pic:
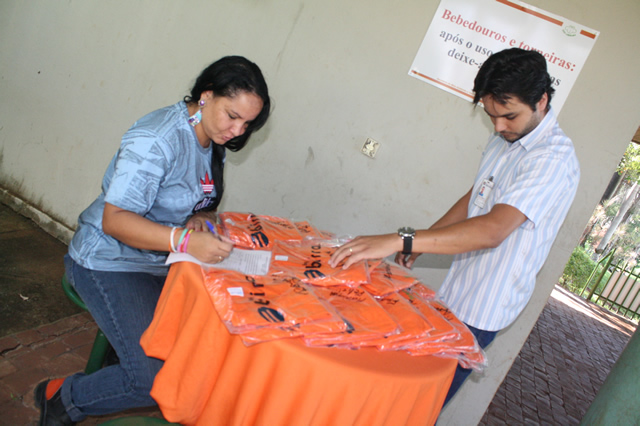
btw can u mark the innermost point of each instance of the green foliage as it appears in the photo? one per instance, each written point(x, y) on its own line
point(625, 238)
point(577, 270)
point(624, 241)
point(611, 209)
point(630, 163)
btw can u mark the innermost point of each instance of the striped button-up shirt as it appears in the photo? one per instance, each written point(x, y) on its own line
point(538, 175)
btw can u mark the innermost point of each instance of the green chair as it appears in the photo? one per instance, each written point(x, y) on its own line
point(136, 421)
point(101, 344)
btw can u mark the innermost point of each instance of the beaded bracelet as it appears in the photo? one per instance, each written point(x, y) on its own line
point(183, 248)
point(184, 232)
point(172, 246)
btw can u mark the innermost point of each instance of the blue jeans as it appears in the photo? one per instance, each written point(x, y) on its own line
point(122, 303)
point(483, 338)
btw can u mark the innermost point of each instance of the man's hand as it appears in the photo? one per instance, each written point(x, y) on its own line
point(366, 247)
point(406, 260)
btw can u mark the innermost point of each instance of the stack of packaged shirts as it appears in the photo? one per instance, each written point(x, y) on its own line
point(371, 304)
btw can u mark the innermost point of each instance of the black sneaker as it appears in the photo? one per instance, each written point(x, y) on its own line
point(52, 412)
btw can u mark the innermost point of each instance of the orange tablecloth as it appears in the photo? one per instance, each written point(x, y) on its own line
point(211, 378)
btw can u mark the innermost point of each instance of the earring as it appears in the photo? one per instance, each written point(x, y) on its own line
point(197, 117)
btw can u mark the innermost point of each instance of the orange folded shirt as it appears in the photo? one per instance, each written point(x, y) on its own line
point(423, 291)
point(246, 303)
point(307, 230)
point(309, 262)
point(389, 278)
point(411, 323)
point(364, 316)
point(442, 329)
point(465, 347)
point(466, 340)
point(335, 324)
point(251, 231)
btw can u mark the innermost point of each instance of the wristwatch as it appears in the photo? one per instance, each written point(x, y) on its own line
point(407, 234)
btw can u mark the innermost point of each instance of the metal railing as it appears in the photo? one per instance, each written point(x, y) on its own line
point(621, 290)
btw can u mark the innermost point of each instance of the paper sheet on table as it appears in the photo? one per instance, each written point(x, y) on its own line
point(249, 262)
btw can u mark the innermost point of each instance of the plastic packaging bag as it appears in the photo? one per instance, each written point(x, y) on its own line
point(388, 278)
point(259, 232)
point(309, 261)
point(246, 303)
point(465, 347)
point(441, 329)
point(365, 318)
point(411, 324)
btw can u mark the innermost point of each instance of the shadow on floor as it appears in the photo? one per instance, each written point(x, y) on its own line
point(42, 333)
point(30, 272)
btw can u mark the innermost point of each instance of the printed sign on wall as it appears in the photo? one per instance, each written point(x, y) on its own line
point(463, 33)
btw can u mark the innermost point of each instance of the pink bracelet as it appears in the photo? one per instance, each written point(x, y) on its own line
point(184, 232)
point(183, 247)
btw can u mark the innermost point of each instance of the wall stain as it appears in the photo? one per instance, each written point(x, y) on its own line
point(310, 157)
point(286, 41)
point(10, 195)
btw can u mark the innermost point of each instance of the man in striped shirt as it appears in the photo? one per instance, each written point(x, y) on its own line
point(500, 231)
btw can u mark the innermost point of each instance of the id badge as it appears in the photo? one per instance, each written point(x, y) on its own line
point(483, 194)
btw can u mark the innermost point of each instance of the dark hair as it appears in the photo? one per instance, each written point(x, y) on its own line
point(228, 77)
point(514, 72)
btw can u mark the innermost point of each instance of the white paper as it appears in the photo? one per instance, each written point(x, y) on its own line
point(236, 291)
point(250, 262)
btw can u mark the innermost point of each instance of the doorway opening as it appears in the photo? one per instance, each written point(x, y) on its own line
point(604, 268)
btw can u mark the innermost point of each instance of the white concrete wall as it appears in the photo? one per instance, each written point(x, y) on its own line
point(74, 75)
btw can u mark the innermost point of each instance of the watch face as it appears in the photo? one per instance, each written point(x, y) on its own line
point(406, 232)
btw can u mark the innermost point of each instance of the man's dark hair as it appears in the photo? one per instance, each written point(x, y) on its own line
point(514, 73)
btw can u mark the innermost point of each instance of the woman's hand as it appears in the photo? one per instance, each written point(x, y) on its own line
point(366, 247)
point(208, 247)
point(198, 222)
point(139, 232)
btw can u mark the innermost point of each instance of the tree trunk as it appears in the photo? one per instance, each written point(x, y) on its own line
point(624, 208)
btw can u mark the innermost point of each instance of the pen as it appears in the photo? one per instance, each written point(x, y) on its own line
point(211, 227)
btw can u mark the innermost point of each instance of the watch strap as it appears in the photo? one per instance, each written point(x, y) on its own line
point(407, 244)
